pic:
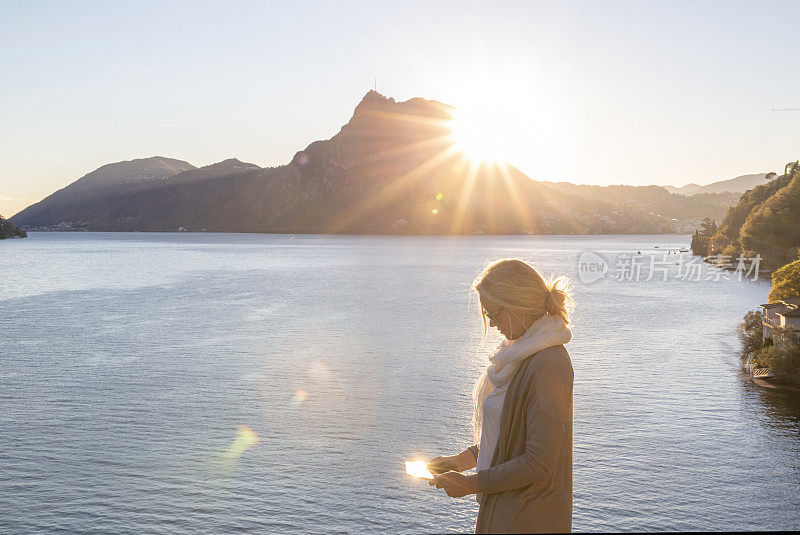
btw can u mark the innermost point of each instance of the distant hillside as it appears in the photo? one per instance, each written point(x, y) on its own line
point(650, 199)
point(7, 230)
point(391, 169)
point(740, 184)
point(85, 202)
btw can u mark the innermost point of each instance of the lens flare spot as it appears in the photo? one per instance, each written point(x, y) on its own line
point(298, 398)
point(439, 196)
point(418, 469)
point(435, 211)
point(245, 439)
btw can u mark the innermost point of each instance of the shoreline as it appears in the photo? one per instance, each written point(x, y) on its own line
point(766, 384)
point(321, 232)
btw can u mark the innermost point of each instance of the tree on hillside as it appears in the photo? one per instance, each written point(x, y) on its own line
point(709, 227)
point(751, 335)
point(717, 243)
point(701, 237)
point(697, 244)
point(785, 282)
point(773, 229)
point(770, 175)
point(781, 352)
point(737, 215)
point(783, 355)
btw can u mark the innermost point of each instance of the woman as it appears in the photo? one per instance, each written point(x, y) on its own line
point(523, 409)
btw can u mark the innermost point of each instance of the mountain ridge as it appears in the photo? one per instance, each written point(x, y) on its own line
point(83, 195)
point(392, 168)
point(738, 184)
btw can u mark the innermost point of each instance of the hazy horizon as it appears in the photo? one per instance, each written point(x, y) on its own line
point(589, 93)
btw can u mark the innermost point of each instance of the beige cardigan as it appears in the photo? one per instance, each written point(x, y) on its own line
point(528, 488)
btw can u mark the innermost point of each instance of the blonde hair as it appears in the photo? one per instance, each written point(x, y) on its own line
point(516, 285)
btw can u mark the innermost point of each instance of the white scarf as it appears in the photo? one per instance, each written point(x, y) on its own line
point(547, 331)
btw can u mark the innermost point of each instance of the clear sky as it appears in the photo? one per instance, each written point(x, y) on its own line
point(589, 92)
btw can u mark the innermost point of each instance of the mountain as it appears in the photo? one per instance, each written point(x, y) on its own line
point(740, 184)
point(87, 199)
point(7, 230)
point(392, 168)
point(650, 199)
point(688, 189)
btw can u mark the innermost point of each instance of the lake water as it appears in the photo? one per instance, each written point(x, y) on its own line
point(127, 362)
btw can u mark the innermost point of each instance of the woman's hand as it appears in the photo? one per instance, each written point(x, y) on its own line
point(456, 463)
point(456, 484)
point(444, 463)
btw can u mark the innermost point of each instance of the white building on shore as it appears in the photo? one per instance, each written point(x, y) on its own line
point(782, 314)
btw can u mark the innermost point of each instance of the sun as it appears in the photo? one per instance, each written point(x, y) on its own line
point(479, 135)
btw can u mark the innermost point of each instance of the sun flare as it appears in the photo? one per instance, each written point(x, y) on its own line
point(479, 136)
